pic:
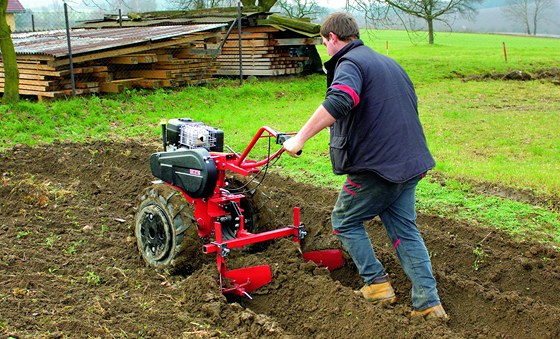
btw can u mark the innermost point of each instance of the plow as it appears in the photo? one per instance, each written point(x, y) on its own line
point(195, 207)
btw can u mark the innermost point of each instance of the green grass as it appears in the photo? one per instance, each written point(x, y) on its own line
point(463, 53)
point(494, 132)
point(460, 201)
point(500, 132)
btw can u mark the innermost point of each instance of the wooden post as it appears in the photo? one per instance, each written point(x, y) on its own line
point(69, 50)
point(239, 7)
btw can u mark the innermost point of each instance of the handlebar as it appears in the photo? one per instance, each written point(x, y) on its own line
point(239, 162)
point(280, 138)
point(283, 137)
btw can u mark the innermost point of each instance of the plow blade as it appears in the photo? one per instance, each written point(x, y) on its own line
point(331, 259)
point(245, 280)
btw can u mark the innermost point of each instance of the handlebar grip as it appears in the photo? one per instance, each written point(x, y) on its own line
point(282, 137)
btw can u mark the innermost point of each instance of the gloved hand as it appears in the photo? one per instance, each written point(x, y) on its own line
point(293, 146)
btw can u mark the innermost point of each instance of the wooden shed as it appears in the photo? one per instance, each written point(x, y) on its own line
point(271, 45)
point(110, 60)
point(161, 50)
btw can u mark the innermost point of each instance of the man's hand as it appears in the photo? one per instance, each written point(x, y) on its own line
point(293, 146)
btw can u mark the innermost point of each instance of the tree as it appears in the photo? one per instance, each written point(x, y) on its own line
point(11, 73)
point(519, 10)
point(427, 10)
point(115, 5)
point(300, 8)
point(529, 12)
point(265, 5)
point(201, 4)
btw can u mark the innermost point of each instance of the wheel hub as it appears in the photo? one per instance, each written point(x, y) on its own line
point(154, 232)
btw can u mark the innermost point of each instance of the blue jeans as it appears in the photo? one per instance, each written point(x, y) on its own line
point(366, 195)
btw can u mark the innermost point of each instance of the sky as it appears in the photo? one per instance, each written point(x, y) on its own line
point(35, 3)
point(28, 3)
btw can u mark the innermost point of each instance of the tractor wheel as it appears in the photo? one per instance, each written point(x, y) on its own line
point(166, 232)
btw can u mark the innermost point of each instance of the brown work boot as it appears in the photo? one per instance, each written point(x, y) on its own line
point(431, 313)
point(382, 292)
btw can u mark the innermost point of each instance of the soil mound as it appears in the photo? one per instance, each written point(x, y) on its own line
point(69, 266)
point(549, 74)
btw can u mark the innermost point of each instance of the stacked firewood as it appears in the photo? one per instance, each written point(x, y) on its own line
point(167, 63)
point(263, 52)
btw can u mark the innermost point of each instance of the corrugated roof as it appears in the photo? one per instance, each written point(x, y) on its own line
point(93, 40)
point(14, 6)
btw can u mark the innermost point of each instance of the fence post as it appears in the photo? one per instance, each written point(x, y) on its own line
point(69, 50)
point(239, 7)
point(120, 18)
point(32, 22)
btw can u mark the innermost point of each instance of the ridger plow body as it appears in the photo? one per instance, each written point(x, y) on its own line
point(194, 194)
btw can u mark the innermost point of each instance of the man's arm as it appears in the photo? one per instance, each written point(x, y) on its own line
point(341, 97)
point(319, 120)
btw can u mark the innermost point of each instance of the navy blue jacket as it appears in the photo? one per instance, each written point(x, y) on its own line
point(377, 126)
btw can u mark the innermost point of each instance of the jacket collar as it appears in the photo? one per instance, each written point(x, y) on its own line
point(331, 64)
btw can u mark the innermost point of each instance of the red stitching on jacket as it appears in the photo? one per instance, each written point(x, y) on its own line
point(348, 90)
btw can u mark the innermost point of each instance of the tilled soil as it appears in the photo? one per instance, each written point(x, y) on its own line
point(69, 265)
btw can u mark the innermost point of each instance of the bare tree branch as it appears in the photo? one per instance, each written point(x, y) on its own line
point(428, 10)
point(300, 8)
point(529, 13)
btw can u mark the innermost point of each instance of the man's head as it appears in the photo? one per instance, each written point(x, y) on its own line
point(338, 30)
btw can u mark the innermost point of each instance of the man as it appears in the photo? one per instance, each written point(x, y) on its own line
point(376, 139)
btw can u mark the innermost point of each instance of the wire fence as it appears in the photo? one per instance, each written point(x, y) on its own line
point(37, 21)
point(185, 64)
point(226, 52)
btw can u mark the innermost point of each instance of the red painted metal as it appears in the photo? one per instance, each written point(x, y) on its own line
point(244, 280)
point(208, 211)
point(249, 239)
point(331, 259)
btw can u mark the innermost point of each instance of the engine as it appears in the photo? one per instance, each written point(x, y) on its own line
point(185, 132)
point(186, 161)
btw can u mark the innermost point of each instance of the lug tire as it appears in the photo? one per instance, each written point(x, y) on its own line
point(166, 231)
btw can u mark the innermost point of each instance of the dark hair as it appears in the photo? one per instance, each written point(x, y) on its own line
point(342, 24)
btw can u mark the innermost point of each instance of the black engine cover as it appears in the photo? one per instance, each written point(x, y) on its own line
point(192, 170)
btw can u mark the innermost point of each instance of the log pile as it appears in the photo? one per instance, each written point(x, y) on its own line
point(274, 45)
point(271, 44)
point(173, 67)
point(264, 51)
point(110, 60)
point(167, 63)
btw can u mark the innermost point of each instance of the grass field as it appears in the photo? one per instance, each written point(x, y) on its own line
point(492, 132)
